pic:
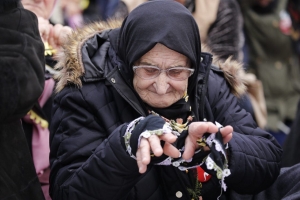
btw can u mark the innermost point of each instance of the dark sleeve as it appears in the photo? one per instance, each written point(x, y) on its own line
point(21, 65)
point(87, 153)
point(291, 144)
point(286, 187)
point(225, 37)
point(254, 155)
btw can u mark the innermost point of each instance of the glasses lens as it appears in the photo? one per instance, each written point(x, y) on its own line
point(179, 73)
point(147, 72)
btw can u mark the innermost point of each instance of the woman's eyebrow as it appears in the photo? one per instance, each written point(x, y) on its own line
point(146, 63)
point(151, 64)
point(179, 66)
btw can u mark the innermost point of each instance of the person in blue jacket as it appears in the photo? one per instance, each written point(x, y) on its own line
point(141, 113)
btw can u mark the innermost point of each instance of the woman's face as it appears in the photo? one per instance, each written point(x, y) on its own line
point(42, 8)
point(161, 92)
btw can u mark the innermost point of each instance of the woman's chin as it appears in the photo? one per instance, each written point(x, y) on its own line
point(160, 104)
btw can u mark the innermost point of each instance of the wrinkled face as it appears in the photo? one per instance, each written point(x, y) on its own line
point(161, 92)
point(42, 8)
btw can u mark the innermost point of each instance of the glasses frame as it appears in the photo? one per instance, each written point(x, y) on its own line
point(162, 70)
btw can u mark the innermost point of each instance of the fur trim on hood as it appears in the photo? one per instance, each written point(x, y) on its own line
point(233, 72)
point(70, 67)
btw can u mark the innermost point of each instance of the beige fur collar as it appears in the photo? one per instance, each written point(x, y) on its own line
point(70, 67)
point(233, 73)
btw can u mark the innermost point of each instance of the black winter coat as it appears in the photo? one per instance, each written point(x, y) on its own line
point(22, 81)
point(88, 159)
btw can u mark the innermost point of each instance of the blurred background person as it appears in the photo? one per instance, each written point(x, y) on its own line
point(76, 13)
point(221, 26)
point(273, 59)
point(37, 120)
point(22, 81)
point(291, 148)
point(291, 144)
point(221, 29)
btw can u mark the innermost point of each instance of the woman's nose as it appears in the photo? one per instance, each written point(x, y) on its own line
point(162, 83)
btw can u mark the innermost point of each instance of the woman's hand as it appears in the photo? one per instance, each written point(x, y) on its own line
point(152, 144)
point(197, 130)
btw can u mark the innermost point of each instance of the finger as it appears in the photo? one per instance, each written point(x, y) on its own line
point(227, 138)
point(226, 129)
point(44, 32)
point(171, 151)
point(56, 31)
point(60, 34)
point(226, 133)
point(168, 137)
point(189, 148)
point(143, 155)
point(155, 145)
point(53, 40)
point(197, 129)
point(142, 167)
point(44, 28)
point(50, 38)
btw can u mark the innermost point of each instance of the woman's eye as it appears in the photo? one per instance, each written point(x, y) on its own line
point(175, 71)
point(151, 70)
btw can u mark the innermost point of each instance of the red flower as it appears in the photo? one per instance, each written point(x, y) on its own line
point(202, 175)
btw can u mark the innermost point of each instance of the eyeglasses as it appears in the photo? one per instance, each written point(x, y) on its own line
point(174, 73)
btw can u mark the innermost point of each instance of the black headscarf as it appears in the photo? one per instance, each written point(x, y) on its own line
point(160, 21)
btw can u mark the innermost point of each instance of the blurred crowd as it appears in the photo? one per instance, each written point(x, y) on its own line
point(261, 35)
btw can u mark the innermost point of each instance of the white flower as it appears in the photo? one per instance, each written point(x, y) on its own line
point(226, 172)
point(209, 165)
point(218, 147)
point(146, 134)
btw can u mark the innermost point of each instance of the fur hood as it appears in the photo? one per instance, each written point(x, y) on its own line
point(70, 66)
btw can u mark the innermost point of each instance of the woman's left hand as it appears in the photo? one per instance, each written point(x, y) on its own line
point(197, 130)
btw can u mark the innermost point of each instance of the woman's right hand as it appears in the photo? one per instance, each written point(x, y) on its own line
point(147, 137)
point(153, 144)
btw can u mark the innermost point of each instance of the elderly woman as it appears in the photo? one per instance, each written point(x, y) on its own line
point(141, 114)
